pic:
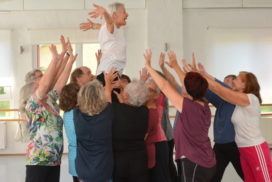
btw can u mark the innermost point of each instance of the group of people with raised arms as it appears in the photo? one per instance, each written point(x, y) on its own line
point(119, 130)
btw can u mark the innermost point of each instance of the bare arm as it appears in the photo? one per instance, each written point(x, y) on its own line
point(233, 97)
point(67, 70)
point(48, 76)
point(163, 84)
point(168, 75)
point(102, 12)
point(89, 25)
point(172, 63)
point(109, 77)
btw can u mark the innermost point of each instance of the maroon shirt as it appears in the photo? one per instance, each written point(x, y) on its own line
point(191, 134)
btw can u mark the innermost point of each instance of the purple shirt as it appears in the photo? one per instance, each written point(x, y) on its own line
point(191, 134)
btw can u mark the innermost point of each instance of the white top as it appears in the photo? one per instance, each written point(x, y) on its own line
point(246, 121)
point(113, 47)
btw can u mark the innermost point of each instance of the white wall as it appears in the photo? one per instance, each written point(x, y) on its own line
point(164, 19)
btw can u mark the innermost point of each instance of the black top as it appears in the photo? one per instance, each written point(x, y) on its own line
point(129, 127)
point(94, 160)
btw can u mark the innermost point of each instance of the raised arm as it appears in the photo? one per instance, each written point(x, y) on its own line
point(48, 76)
point(63, 60)
point(98, 56)
point(102, 12)
point(163, 84)
point(89, 25)
point(109, 77)
point(172, 63)
point(168, 75)
point(231, 96)
point(67, 70)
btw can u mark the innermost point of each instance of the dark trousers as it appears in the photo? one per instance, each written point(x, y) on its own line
point(161, 173)
point(75, 179)
point(226, 153)
point(130, 166)
point(172, 167)
point(42, 173)
point(189, 171)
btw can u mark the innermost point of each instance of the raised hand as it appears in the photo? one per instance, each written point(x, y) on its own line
point(98, 56)
point(70, 51)
point(201, 69)
point(54, 52)
point(98, 12)
point(110, 76)
point(161, 60)
point(147, 56)
point(185, 66)
point(64, 44)
point(87, 25)
point(144, 75)
point(172, 63)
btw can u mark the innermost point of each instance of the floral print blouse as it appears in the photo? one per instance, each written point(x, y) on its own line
point(45, 145)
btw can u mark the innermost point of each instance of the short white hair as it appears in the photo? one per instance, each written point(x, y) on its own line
point(136, 92)
point(114, 7)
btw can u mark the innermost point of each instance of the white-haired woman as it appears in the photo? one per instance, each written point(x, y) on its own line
point(130, 125)
point(39, 104)
point(111, 37)
point(93, 127)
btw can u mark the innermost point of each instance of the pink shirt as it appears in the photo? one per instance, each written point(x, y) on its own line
point(155, 131)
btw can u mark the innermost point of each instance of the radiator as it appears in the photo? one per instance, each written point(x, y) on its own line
point(3, 135)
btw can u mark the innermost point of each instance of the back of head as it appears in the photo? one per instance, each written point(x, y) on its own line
point(75, 74)
point(31, 76)
point(230, 76)
point(91, 98)
point(196, 85)
point(251, 84)
point(136, 92)
point(125, 77)
point(114, 7)
point(68, 97)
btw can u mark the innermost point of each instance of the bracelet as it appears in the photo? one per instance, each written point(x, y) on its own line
point(67, 54)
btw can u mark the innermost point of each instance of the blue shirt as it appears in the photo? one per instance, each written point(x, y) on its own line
point(223, 128)
point(69, 126)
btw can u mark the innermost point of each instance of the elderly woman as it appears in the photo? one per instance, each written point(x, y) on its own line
point(130, 125)
point(67, 102)
point(193, 147)
point(156, 141)
point(93, 126)
point(39, 105)
point(254, 150)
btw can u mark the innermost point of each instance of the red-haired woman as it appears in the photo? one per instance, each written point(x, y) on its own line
point(254, 150)
point(196, 159)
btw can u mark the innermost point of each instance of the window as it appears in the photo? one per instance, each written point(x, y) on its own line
point(86, 55)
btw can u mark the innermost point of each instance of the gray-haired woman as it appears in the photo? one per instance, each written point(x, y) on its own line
point(130, 125)
point(93, 126)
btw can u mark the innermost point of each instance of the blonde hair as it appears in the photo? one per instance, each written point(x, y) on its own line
point(25, 93)
point(114, 7)
point(31, 76)
point(91, 98)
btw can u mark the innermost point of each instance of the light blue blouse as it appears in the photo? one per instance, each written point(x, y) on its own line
point(69, 126)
